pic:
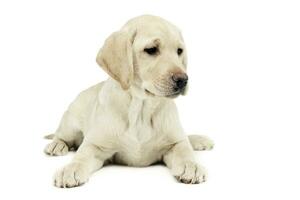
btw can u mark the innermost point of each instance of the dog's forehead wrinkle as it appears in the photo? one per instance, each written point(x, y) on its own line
point(162, 41)
point(156, 42)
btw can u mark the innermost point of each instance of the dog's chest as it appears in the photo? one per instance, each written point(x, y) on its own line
point(140, 143)
point(140, 119)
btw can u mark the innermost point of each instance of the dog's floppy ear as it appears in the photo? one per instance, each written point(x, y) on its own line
point(116, 57)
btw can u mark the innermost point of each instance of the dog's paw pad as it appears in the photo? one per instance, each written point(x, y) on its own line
point(57, 148)
point(72, 175)
point(190, 173)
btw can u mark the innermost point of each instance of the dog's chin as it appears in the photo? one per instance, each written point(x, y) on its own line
point(170, 95)
point(173, 96)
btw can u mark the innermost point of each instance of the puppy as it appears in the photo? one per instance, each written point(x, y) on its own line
point(131, 118)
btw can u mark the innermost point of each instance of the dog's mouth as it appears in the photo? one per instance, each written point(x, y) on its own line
point(149, 93)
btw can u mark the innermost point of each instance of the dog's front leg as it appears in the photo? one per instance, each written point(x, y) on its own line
point(181, 161)
point(87, 159)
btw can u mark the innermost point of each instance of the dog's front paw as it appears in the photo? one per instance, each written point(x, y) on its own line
point(190, 173)
point(201, 143)
point(57, 148)
point(71, 175)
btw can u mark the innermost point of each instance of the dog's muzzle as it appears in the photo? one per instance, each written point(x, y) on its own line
point(180, 81)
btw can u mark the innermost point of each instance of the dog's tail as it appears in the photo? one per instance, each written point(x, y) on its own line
point(49, 137)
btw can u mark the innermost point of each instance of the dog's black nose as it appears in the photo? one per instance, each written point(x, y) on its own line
point(180, 80)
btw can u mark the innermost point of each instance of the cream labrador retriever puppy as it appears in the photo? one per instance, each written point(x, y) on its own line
point(131, 118)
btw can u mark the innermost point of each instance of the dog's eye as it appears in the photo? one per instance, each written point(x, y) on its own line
point(179, 51)
point(151, 51)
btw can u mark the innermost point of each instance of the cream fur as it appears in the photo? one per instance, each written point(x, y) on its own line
point(130, 118)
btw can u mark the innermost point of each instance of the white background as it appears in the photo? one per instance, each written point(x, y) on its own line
point(244, 60)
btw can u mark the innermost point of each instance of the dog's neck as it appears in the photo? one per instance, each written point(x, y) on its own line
point(137, 92)
point(141, 98)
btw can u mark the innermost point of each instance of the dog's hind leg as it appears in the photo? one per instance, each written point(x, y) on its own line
point(67, 136)
point(200, 143)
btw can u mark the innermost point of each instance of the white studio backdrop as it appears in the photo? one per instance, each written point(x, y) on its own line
point(244, 69)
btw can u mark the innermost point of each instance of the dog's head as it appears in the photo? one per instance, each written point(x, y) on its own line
point(147, 53)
